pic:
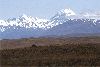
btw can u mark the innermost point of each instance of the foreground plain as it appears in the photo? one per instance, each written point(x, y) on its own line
point(51, 52)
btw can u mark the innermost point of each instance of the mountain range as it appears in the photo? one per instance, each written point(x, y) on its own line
point(64, 22)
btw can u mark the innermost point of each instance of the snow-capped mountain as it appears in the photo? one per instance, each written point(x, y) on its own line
point(63, 22)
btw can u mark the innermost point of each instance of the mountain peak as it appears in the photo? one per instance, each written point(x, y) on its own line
point(24, 16)
point(66, 21)
point(67, 12)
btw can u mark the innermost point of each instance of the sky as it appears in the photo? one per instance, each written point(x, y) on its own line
point(43, 8)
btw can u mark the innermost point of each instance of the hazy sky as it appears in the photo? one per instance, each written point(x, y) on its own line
point(43, 8)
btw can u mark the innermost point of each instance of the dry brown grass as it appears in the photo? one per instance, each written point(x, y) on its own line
point(27, 42)
point(54, 52)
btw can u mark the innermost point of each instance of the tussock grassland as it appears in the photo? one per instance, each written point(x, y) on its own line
point(54, 52)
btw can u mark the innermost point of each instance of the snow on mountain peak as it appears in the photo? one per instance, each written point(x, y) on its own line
point(24, 16)
point(67, 12)
point(61, 17)
point(91, 14)
point(25, 21)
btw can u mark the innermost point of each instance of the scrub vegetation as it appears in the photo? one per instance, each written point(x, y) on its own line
point(50, 52)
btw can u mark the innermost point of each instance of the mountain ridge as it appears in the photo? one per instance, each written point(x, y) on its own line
point(64, 22)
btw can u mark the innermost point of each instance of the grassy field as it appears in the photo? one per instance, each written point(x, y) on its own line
point(50, 52)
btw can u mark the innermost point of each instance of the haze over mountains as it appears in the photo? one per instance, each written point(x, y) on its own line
point(64, 22)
